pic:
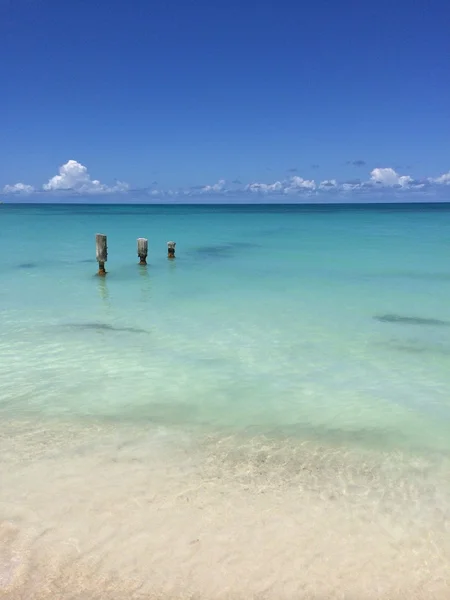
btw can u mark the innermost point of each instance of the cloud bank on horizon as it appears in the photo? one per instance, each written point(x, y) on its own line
point(74, 179)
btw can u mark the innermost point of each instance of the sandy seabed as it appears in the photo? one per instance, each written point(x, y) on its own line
point(95, 511)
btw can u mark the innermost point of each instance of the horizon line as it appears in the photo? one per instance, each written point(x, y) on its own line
point(235, 204)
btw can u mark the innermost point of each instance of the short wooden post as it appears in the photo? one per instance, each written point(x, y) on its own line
point(142, 250)
point(102, 253)
point(171, 249)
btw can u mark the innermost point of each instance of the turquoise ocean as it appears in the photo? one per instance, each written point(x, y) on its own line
point(292, 361)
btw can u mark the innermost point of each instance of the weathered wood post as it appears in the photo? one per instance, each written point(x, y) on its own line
point(142, 250)
point(102, 253)
point(171, 249)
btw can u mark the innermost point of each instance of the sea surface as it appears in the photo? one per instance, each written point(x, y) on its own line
point(265, 416)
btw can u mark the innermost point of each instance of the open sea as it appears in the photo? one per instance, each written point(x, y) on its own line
point(266, 416)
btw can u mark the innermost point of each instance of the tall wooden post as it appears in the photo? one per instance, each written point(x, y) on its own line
point(102, 253)
point(171, 249)
point(142, 250)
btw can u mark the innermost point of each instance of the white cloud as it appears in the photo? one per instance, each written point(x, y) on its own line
point(293, 185)
point(264, 188)
point(217, 187)
point(18, 188)
point(442, 179)
point(75, 177)
point(349, 187)
point(389, 177)
point(328, 184)
point(300, 183)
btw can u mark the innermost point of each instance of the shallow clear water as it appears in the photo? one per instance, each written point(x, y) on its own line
point(265, 320)
point(294, 325)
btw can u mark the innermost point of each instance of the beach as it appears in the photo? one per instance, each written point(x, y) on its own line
point(266, 416)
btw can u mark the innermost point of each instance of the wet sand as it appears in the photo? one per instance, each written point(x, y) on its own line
point(95, 511)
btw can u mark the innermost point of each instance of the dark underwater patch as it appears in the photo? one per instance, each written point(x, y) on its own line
point(421, 349)
point(415, 275)
point(27, 265)
point(219, 251)
point(416, 347)
point(407, 320)
point(105, 327)
point(222, 250)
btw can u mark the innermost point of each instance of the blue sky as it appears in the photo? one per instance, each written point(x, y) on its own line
point(167, 98)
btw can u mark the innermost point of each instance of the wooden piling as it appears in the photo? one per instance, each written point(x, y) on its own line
point(171, 249)
point(101, 252)
point(142, 250)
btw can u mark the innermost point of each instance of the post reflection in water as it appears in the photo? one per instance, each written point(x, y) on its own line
point(104, 291)
point(145, 283)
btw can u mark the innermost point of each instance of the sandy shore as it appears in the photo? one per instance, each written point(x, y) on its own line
point(100, 512)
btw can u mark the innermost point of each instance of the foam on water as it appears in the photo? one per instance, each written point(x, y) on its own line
point(265, 416)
